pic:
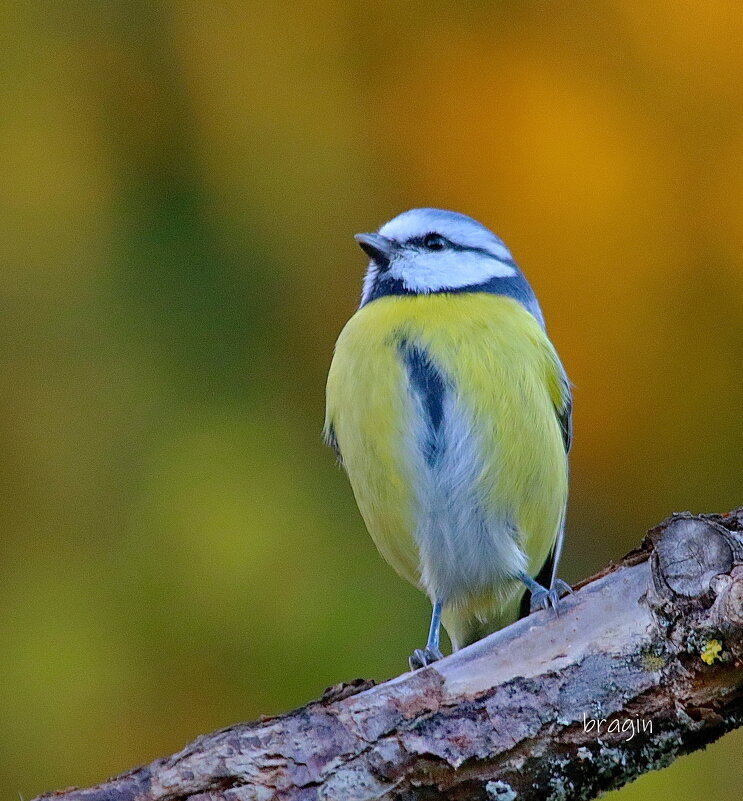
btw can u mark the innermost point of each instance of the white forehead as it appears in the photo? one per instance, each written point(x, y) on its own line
point(458, 228)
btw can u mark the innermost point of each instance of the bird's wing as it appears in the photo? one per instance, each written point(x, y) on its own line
point(563, 403)
point(564, 411)
point(331, 440)
point(565, 418)
point(367, 416)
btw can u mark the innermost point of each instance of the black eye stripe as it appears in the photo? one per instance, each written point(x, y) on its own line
point(419, 241)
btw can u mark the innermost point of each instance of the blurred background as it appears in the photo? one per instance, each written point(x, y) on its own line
point(180, 185)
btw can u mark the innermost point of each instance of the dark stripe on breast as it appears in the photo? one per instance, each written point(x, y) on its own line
point(427, 383)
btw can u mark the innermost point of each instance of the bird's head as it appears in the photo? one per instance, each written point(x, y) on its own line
point(425, 251)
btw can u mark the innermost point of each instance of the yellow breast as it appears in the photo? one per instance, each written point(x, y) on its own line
point(506, 378)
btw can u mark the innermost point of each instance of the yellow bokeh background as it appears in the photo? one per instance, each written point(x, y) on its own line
point(180, 185)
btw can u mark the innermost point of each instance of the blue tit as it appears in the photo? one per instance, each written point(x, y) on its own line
point(450, 411)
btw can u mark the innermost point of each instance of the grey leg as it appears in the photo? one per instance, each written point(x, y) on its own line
point(544, 598)
point(425, 656)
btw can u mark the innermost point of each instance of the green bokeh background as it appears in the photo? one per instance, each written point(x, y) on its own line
point(180, 183)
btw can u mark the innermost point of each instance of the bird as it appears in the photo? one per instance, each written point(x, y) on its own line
point(451, 413)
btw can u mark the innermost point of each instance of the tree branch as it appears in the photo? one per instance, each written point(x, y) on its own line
point(643, 664)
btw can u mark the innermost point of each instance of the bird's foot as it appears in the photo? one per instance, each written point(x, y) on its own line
point(422, 657)
point(543, 598)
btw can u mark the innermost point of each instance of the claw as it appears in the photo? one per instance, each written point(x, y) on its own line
point(562, 587)
point(543, 598)
point(423, 657)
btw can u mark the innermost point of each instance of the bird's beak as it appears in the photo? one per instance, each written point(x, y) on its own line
point(376, 246)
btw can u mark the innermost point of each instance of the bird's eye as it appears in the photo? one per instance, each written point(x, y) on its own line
point(434, 242)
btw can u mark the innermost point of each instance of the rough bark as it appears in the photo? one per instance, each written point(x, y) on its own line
point(653, 641)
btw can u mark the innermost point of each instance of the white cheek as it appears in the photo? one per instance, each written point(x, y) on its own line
point(429, 272)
